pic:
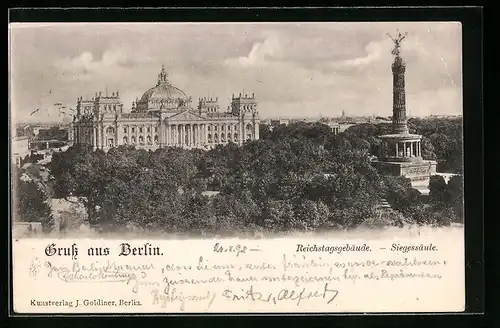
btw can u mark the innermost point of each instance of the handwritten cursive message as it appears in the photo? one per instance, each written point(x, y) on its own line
point(282, 275)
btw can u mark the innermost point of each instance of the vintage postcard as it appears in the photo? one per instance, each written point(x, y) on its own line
point(237, 167)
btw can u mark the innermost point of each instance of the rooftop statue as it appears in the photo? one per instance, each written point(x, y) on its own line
point(397, 42)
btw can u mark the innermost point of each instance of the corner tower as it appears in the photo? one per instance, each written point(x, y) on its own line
point(245, 108)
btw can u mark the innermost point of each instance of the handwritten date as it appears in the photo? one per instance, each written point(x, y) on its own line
point(238, 249)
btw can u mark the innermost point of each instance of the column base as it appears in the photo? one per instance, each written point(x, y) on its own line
point(413, 170)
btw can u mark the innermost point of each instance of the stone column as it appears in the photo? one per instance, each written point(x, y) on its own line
point(167, 135)
point(118, 135)
point(102, 134)
point(419, 149)
point(200, 134)
point(411, 149)
point(205, 132)
point(179, 135)
point(176, 134)
point(196, 134)
point(169, 131)
point(397, 150)
point(183, 134)
point(191, 134)
point(94, 137)
point(97, 136)
point(171, 134)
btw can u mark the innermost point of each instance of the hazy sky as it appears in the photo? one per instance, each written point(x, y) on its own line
point(294, 69)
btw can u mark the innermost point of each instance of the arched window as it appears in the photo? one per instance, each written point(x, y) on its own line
point(149, 129)
point(235, 136)
point(132, 140)
point(229, 137)
point(140, 129)
point(223, 128)
point(216, 138)
point(208, 128)
point(125, 140)
point(110, 130)
point(141, 140)
point(156, 129)
point(125, 129)
point(222, 139)
point(148, 138)
point(215, 128)
point(156, 140)
point(249, 127)
point(133, 129)
point(209, 137)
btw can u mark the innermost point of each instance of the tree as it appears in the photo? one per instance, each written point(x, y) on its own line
point(455, 196)
point(438, 189)
point(264, 131)
point(31, 204)
point(363, 131)
point(308, 215)
point(339, 143)
point(428, 152)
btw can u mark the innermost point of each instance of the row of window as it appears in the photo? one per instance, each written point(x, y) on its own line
point(111, 130)
point(229, 127)
point(141, 129)
point(140, 140)
point(133, 140)
point(247, 107)
point(109, 107)
point(223, 137)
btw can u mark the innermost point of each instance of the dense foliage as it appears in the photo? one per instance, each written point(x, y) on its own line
point(54, 133)
point(30, 202)
point(298, 177)
point(441, 139)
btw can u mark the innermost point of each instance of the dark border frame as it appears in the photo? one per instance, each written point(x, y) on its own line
point(472, 34)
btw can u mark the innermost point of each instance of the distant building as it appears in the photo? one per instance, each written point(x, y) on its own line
point(20, 149)
point(335, 127)
point(163, 117)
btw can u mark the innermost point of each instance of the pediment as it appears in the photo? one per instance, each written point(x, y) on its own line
point(185, 116)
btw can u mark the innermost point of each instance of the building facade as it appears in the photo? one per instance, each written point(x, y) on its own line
point(20, 149)
point(163, 117)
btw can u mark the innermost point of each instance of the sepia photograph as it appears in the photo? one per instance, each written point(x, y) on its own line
point(341, 133)
point(221, 129)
